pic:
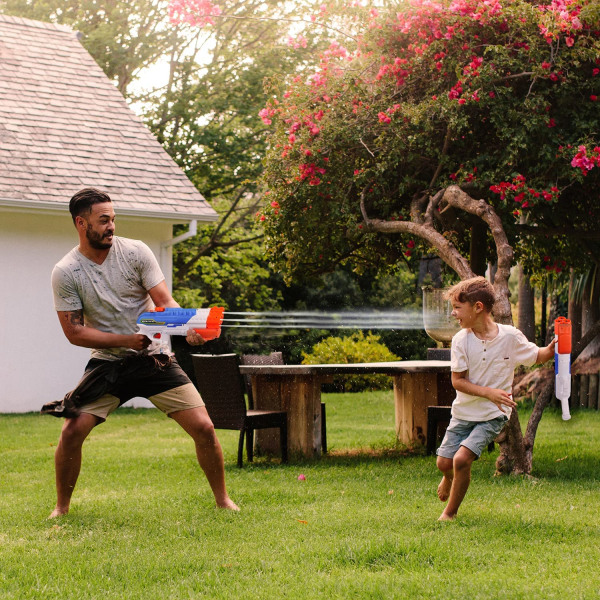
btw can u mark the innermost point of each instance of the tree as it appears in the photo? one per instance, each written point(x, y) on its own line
point(123, 36)
point(207, 119)
point(444, 115)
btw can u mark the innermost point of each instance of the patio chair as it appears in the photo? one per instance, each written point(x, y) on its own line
point(276, 358)
point(221, 386)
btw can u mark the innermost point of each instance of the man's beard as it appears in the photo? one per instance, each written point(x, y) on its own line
point(96, 240)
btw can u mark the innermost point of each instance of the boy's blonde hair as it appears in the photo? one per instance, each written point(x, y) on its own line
point(476, 289)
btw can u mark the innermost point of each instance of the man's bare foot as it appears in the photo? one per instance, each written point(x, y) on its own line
point(445, 517)
point(228, 504)
point(443, 490)
point(58, 512)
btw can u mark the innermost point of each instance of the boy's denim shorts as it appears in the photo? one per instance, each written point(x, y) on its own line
point(474, 435)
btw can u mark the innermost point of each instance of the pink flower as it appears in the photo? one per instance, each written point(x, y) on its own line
point(383, 118)
point(264, 114)
point(594, 98)
point(197, 13)
point(569, 41)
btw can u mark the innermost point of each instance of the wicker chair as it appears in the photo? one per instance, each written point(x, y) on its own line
point(276, 358)
point(221, 386)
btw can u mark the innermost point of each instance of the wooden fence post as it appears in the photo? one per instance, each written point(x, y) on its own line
point(584, 388)
point(593, 391)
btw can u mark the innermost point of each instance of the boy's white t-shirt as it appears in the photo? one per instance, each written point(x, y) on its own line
point(489, 363)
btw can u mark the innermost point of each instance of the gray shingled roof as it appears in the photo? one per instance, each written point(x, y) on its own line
point(65, 126)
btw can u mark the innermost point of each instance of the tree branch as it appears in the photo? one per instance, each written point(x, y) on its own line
point(456, 197)
point(444, 247)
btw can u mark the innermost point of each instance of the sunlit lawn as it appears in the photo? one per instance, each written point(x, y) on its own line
point(362, 525)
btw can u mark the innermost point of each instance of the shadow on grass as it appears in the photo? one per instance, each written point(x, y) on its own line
point(338, 457)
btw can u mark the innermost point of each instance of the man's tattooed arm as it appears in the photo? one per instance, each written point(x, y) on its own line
point(74, 317)
point(74, 328)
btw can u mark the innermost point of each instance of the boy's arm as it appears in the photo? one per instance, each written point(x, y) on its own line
point(498, 397)
point(546, 353)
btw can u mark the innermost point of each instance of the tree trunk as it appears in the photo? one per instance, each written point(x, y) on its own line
point(526, 315)
point(543, 325)
point(478, 248)
point(590, 313)
point(574, 311)
point(590, 309)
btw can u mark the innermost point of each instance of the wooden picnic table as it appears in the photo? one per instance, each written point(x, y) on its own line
point(297, 390)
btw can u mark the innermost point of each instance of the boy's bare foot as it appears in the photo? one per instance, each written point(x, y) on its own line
point(445, 517)
point(58, 512)
point(228, 504)
point(443, 490)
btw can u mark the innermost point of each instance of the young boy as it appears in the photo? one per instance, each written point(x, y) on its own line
point(483, 358)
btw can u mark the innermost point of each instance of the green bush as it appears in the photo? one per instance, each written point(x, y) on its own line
point(355, 348)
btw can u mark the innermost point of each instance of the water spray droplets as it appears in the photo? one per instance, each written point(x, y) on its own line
point(401, 320)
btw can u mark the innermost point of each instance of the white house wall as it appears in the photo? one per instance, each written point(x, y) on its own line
point(37, 363)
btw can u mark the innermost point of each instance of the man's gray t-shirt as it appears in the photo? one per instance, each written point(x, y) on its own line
point(113, 294)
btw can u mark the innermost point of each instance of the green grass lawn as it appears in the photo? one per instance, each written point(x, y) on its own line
point(362, 525)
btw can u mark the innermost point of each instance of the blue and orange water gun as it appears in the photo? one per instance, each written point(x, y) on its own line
point(161, 323)
point(562, 364)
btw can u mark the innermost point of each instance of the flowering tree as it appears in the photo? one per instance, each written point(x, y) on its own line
point(443, 115)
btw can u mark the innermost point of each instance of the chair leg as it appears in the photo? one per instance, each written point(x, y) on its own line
point(435, 415)
point(250, 444)
point(323, 429)
point(431, 432)
point(240, 461)
point(283, 436)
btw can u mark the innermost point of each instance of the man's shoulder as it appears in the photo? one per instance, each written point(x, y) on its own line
point(130, 245)
point(68, 261)
point(125, 242)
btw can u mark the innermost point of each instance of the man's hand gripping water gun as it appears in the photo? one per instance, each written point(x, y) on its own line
point(161, 323)
point(562, 364)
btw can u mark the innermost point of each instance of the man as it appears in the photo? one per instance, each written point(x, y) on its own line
point(100, 288)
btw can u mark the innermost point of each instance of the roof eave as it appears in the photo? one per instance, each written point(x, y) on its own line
point(175, 217)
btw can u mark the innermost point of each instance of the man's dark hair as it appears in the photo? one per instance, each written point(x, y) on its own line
point(81, 203)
